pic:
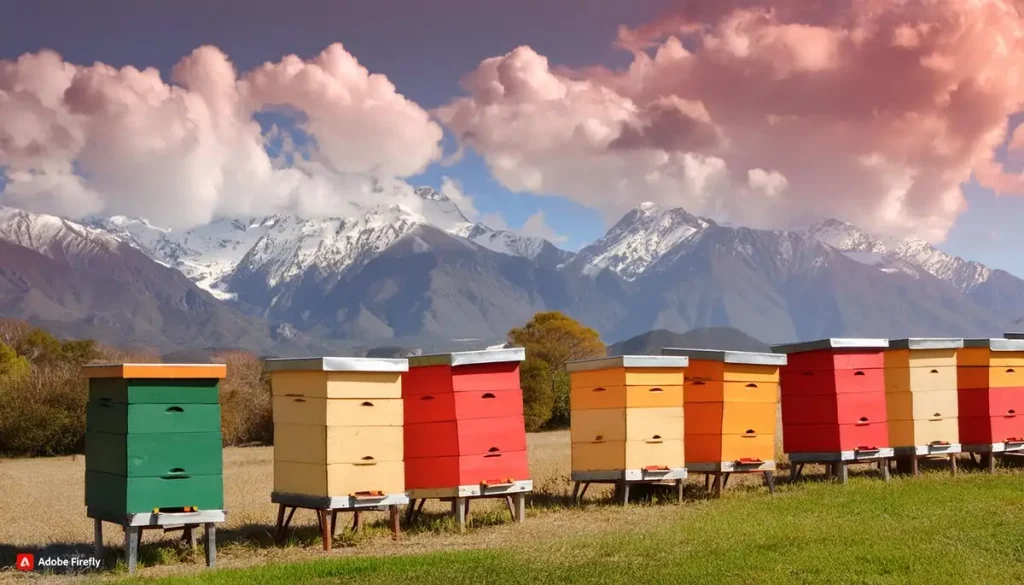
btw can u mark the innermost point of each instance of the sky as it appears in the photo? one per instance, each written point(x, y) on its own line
point(552, 118)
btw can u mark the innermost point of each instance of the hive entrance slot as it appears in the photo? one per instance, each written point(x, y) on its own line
point(487, 395)
point(366, 404)
point(859, 373)
point(175, 409)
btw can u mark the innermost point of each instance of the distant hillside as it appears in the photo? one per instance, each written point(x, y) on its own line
point(650, 343)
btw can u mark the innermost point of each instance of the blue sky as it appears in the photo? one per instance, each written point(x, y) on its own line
point(424, 48)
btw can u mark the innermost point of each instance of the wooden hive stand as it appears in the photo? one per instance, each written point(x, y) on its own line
point(465, 435)
point(338, 440)
point(627, 426)
point(153, 451)
point(922, 401)
point(834, 406)
point(730, 401)
point(990, 381)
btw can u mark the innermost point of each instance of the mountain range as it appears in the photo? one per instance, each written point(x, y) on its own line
point(394, 275)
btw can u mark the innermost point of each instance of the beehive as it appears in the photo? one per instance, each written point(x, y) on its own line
point(921, 392)
point(464, 420)
point(833, 396)
point(337, 426)
point(626, 413)
point(153, 439)
point(730, 401)
point(990, 380)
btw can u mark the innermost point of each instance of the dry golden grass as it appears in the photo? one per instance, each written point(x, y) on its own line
point(44, 508)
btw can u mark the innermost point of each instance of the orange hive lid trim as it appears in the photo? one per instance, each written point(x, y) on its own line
point(157, 371)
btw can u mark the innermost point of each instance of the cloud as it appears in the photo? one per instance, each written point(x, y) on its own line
point(768, 115)
point(452, 189)
point(80, 140)
point(537, 227)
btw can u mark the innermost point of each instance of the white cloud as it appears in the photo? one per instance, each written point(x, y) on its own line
point(536, 226)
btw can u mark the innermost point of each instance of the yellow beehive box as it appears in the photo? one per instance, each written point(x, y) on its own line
point(338, 425)
point(627, 413)
point(921, 391)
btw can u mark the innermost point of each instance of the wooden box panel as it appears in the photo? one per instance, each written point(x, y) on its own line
point(449, 472)
point(920, 379)
point(991, 429)
point(371, 412)
point(985, 358)
point(621, 455)
point(626, 377)
point(919, 433)
point(313, 384)
point(994, 377)
point(154, 454)
point(120, 495)
point(920, 358)
point(715, 371)
point(154, 391)
point(719, 391)
point(338, 479)
point(465, 437)
point(447, 406)
point(320, 444)
point(477, 377)
point(731, 418)
point(803, 382)
point(113, 417)
point(836, 360)
point(726, 448)
point(922, 405)
point(625, 397)
point(986, 402)
point(834, 409)
point(621, 424)
point(832, 438)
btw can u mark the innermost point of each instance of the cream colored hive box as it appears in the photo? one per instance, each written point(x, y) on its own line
point(921, 396)
point(626, 417)
point(338, 426)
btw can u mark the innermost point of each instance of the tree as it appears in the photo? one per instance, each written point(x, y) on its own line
point(553, 339)
point(12, 365)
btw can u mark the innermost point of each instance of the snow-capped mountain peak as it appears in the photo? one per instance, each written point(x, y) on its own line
point(50, 235)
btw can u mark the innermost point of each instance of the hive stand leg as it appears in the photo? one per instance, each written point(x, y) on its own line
point(189, 536)
point(883, 466)
point(575, 492)
point(410, 511)
point(211, 544)
point(679, 491)
point(725, 483)
point(325, 528)
point(719, 485)
point(952, 464)
point(334, 522)
point(796, 471)
point(511, 507)
point(624, 491)
point(707, 482)
point(396, 528)
point(990, 462)
point(583, 492)
point(279, 532)
point(131, 547)
point(97, 538)
point(841, 472)
point(520, 502)
point(914, 468)
point(357, 521)
point(459, 511)
point(770, 480)
point(467, 508)
point(419, 507)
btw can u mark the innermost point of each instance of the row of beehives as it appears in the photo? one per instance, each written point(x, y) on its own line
point(351, 426)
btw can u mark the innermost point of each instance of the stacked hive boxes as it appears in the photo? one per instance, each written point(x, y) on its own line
point(833, 397)
point(153, 439)
point(337, 426)
point(731, 403)
point(921, 394)
point(464, 420)
point(627, 416)
point(990, 376)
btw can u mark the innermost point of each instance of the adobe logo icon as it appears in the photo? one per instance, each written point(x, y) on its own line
point(25, 562)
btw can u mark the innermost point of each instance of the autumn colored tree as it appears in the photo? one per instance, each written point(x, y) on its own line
point(12, 365)
point(551, 340)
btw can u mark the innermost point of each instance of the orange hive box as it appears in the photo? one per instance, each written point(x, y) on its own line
point(730, 401)
point(626, 416)
point(990, 381)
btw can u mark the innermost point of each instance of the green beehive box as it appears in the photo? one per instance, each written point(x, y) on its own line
point(153, 439)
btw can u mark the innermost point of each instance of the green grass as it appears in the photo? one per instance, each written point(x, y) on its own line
point(929, 530)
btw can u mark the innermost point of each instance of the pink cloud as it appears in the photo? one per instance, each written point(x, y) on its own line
point(78, 139)
point(872, 111)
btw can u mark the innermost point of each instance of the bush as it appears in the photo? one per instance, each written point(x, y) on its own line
point(245, 403)
point(43, 412)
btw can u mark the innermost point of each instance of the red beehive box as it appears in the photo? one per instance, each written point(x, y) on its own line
point(990, 392)
point(833, 396)
point(464, 420)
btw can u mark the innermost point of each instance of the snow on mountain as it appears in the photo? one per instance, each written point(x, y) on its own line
point(907, 255)
point(52, 236)
point(640, 239)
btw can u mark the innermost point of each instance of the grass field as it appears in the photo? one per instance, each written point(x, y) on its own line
point(932, 529)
